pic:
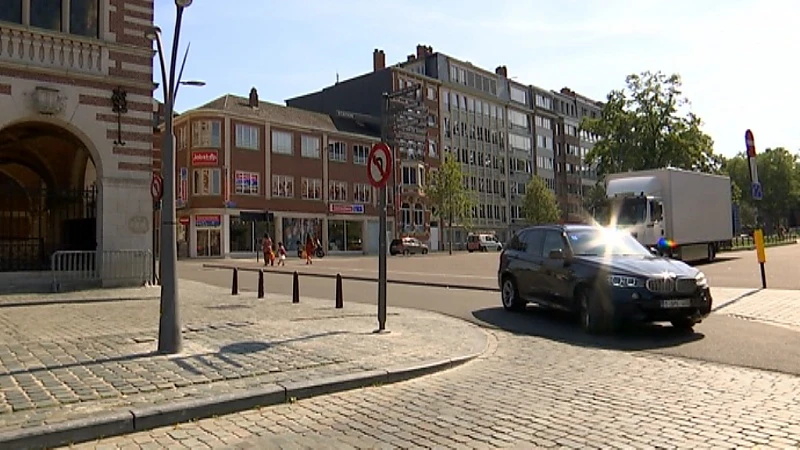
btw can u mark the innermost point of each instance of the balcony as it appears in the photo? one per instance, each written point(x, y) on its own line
point(50, 50)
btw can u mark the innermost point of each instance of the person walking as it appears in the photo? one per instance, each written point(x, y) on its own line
point(266, 247)
point(281, 254)
point(309, 249)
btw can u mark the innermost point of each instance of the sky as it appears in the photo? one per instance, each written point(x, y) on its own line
point(739, 59)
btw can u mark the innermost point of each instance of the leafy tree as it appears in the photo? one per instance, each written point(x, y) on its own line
point(539, 204)
point(447, 194)
point(595, 202)
point(642, 127)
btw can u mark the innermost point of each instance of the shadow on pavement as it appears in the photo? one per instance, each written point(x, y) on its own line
point(81, 301)
point(562, 327)
point(720, 259)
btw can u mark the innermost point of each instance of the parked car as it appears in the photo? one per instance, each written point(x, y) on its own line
point(407, 246)
point(483, 243)
point(604, 275)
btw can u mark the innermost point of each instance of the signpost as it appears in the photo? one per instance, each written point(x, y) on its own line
point(757, 193)
point(157, 192)
point(379, 170)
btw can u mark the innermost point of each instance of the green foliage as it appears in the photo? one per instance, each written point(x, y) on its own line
point(779, 175)
point(596, 203)
point(446, 192)
point(539, 204)
point(642, 127)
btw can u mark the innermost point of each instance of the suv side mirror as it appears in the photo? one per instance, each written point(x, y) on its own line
point(556, 254)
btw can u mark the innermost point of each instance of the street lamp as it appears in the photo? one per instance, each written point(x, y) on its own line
point(169, 327)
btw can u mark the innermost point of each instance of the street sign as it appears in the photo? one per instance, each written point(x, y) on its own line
point(756, 191)
point(157, 187)
point(379, 165)
point(750, 142)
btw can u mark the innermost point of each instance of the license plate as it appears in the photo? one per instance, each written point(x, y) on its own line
point(676, 303)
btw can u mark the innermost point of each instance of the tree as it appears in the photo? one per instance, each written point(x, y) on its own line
point(595, 202)
point(539, 204)
point(642, 127)
point(447, 194)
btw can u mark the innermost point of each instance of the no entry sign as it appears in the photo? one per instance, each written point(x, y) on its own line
point(379, 165)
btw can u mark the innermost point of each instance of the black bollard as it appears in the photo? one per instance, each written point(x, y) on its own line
point(235, 282)
point(339, 298)
point(296, 287)
point(260, 284)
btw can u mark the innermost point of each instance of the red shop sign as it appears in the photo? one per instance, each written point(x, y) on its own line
point(205, 158)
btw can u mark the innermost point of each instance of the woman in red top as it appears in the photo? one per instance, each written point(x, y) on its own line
point(310, 247)
point(266, 247)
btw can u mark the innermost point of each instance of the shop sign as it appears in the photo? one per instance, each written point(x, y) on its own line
point(205, 158)
point(338, 208)
point(208, 221)
point(184, 220)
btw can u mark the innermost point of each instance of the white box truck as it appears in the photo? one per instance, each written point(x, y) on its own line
point(683, 214)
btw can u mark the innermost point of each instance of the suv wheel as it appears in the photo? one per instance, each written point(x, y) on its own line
point(509, 294)
point(594, 319)
point(683, 323)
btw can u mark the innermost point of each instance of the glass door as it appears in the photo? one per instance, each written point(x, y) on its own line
point(209, 242)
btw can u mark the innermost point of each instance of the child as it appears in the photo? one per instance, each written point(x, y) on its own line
point(281, 254)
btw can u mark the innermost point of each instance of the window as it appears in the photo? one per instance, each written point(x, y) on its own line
point(207, 182)
point(405, 215)
point(410, 175)
point(553, 240)
point(519, 142)
point(519, 95)
point(419, 215)
point(543, 122)
point(84, 17)
point(544, 102)
point(309, 146)
point(282, 142)
point(362, 193)
point(518, 119)
point(311, 189)
point(206, 134)
point(11, 11)
point(337, 151)
point(183, 138)
point(246, 136)
point(360, 154)
point(247, 183)
point(46, 14)
point(282, 186)
point(337, 191)
point(431, 93)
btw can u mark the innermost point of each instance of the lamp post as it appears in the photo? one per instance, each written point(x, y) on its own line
point(169, 328)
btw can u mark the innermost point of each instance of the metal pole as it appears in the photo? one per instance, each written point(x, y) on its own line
point(382, 251)
point(169, 328)
point(155, 238)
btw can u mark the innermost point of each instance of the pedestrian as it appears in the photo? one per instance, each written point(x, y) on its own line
point(309, 249)
point(281, 254)
point(266, 248)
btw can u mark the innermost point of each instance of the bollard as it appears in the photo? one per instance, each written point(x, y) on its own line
point(296, 287)
point(260, 284)
point(339, 298)
point(235, 282)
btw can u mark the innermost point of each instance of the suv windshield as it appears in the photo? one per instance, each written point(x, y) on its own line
point(605, 242)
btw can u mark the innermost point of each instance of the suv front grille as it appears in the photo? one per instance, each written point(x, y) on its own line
point(669, 285)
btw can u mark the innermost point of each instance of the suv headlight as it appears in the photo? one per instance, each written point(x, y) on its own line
point(625, 281)
point(702, 282)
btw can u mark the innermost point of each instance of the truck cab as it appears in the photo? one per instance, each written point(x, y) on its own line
point(636, 207)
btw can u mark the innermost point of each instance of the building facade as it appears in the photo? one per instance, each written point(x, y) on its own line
point(416, 151)
point(246, 168)
point(76, 128)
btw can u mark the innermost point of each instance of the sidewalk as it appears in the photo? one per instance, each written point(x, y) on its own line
point(77, 366)
point(774, 306)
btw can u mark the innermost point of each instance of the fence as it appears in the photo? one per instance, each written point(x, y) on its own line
point(740, 242)
point(116, 268)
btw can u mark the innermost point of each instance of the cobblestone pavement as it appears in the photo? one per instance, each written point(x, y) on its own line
point(775, 306)
point(525, 392)
point(75, 355)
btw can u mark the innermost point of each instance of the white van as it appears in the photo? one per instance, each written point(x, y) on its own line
point(483, 243)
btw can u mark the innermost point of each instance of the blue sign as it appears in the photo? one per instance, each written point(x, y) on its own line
point(756, 192)
point(184, 173)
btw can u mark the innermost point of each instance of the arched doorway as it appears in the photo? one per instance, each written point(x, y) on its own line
point(48, 195)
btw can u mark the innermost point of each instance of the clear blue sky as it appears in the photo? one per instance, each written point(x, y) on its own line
point(738, 58)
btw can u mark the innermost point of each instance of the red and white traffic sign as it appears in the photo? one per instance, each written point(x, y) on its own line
point(750, 142)
point(379, 165)
point(157, 187)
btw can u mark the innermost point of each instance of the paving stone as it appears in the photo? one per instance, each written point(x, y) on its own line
point(530, 392)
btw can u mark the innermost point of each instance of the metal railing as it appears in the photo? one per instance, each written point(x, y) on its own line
point(744, 242)
point(105, 268)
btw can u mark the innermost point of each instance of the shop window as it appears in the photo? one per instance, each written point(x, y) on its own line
point(345, 235)
point(296, 230)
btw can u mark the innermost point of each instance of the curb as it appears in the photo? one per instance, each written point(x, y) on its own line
point(126, 421)
point(465, 287)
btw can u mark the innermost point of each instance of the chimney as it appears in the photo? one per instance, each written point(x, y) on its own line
point(253, 100)
point(502, 71)
point(411, 57)
point(378, 60)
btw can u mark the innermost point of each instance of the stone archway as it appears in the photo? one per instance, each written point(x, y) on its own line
point(47, 204)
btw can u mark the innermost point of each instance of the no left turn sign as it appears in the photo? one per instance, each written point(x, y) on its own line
point(379, 165)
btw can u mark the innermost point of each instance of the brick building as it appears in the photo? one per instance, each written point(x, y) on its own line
point(76, 128)
point(246, 167)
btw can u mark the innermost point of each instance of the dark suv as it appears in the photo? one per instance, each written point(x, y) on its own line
point(603, 274)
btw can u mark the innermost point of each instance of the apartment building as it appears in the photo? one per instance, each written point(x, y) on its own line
point(545, 122)
point(417, 151)
point(246, 167)
point(75, 129)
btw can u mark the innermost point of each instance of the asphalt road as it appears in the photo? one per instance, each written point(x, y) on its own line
point(719, 338)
